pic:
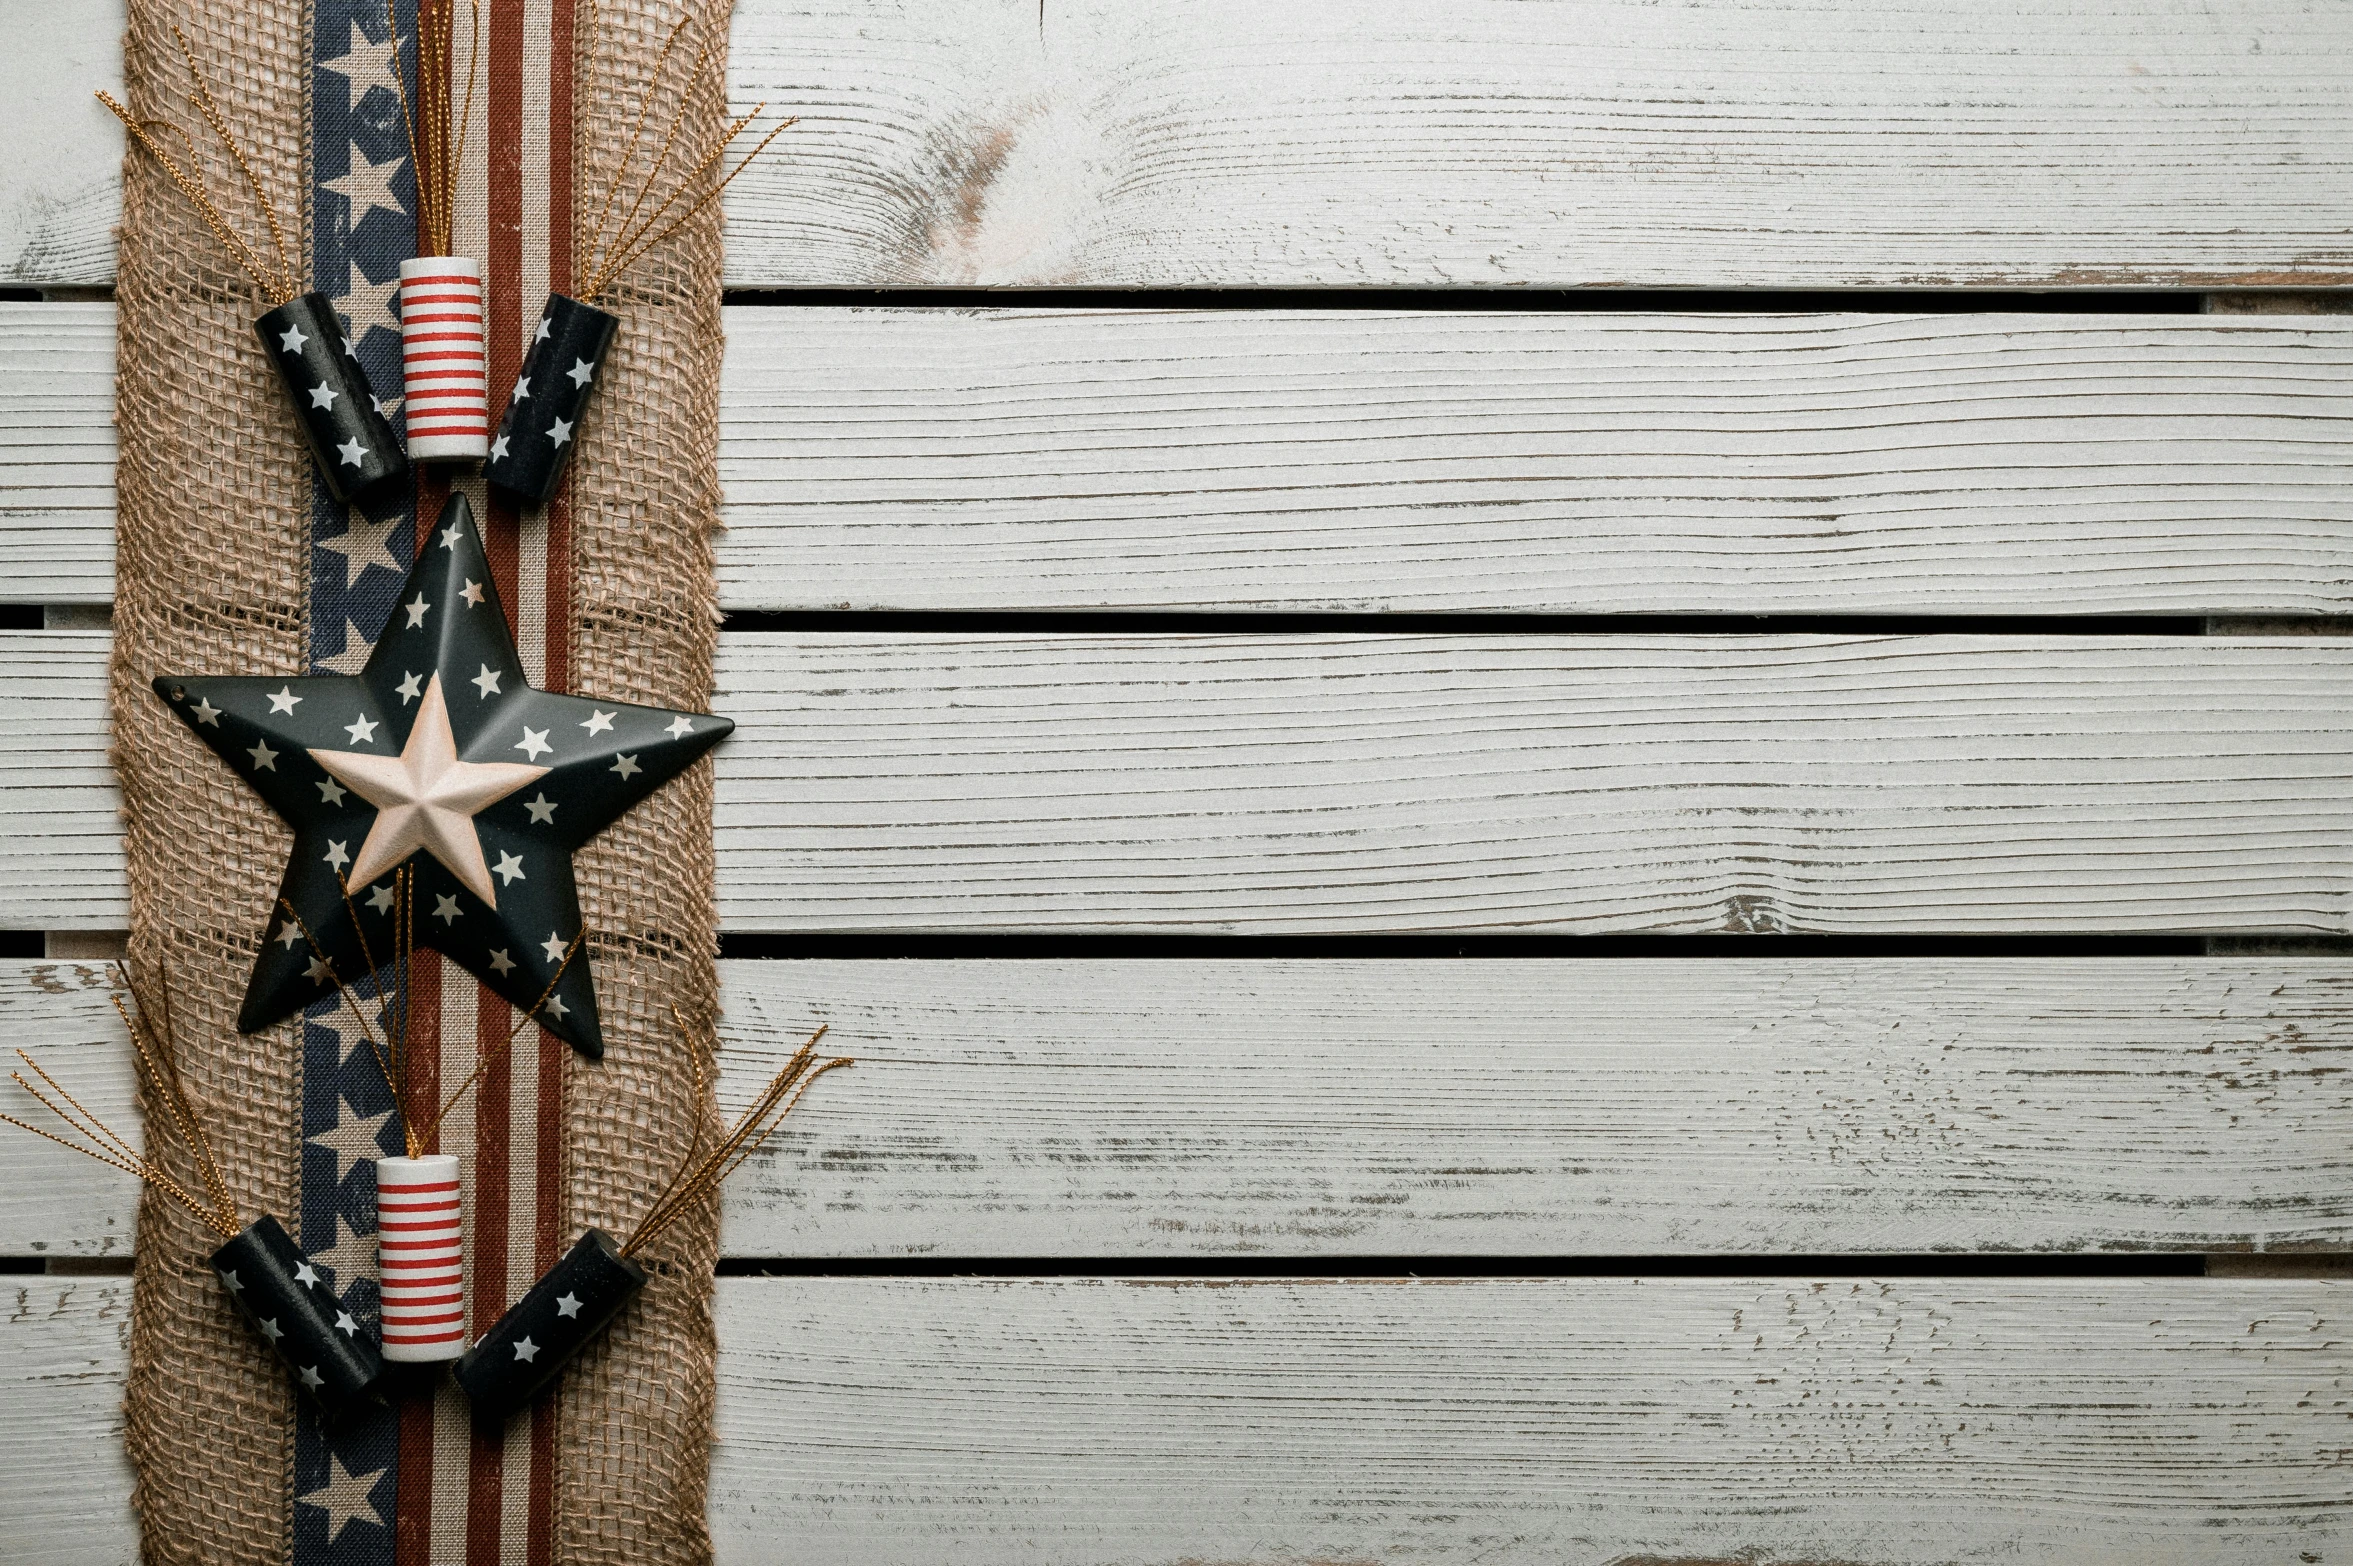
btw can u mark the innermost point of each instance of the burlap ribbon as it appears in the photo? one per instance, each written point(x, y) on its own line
point(214, 556)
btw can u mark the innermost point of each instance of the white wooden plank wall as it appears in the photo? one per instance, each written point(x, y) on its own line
point(1464, 784)
point(1310, 1109)
point(878, 1422)
point(1440, 461)
point(1612, 143)
point(1226, 1106)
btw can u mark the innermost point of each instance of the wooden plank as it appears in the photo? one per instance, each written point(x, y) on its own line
point(1274, 785)
point(1730, 143)
point(1757, 1106)
point(64, 1351)
point(61, 850)
point(1336, 783)
point(1440, 461)
point(57, 453)
point(1504, 462)
point(1581, 1420)
point(1078, 1421)
point(61, 185)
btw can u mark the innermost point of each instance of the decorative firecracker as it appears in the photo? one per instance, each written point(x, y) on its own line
point(540, 429)
point(340, 416)
point(289, 1298)
point(577, 1298)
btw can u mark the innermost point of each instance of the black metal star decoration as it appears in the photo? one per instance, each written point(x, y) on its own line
point(437, 754)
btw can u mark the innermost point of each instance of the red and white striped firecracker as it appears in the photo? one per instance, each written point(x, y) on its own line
point(444, 359)
point(420, 1258)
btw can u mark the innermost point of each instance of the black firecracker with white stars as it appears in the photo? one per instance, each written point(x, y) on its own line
point(572, 1302)
point(437, 755)
point(536, 436)
point(292, 1304)
point(341, 415)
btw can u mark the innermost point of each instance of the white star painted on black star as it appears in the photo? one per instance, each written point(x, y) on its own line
point(322, 396)
point(501, 963)
point(626, 767)
point(229, 1278)
point(540, 336)
point(486, 682)
point(555, 1007)
point(318, 972)
point(407, 690)
point(206, 712)
point(337, 856)
point(553, 946)
point(450, 537)
point(264, 758)
point(271, 1330)
point(472, 593)
point(679, 728)
point(445, 909)
point(345, 1325)
point(580, 372)
point(498, 449)
point(526, 1351)
point(598, 722)
point(353, 453)
point(311, 1377)
point(522, 388)
point(306, 1275)
point(568, 1305)
point(416, 612)
point(289, 935)
point(285, 700)
point(560, 431)
point(542, 808)
point(533, 743)
point(362, 730)
point(330, 792)
point(291, 340)
point(381, 898)
point(509, 868)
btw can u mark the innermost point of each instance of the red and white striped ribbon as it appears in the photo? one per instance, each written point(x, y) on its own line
point(420, 1258)
point(444, 362)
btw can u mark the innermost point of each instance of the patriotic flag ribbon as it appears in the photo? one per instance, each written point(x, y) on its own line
point(418, 1486)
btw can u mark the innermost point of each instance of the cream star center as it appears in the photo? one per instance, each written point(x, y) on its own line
point(426, 798)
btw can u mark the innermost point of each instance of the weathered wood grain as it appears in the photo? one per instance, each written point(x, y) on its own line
point(1466, 462)
point(61, 181)
point(57, 453)
point(1338, 783)
point(1500, 462)
point(61, 851)
point(1077, 1421)
point(64, 1350)
point(1286, 785)
point(1595, 143)
point(1731, 143)
point(1581, 1420)
point(1745, 1105)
